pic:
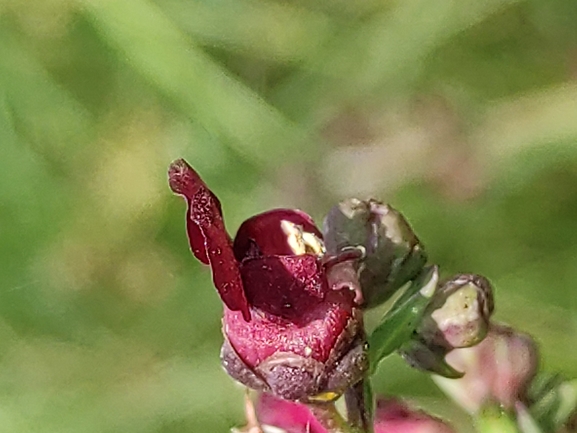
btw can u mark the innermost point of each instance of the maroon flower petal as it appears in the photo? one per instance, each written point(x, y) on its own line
point(207, 235)
point(263, 234)
point(313, 335)
point(285, 286)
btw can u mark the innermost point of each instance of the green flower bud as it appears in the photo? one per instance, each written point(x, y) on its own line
point(393, 254)
point(458, 316)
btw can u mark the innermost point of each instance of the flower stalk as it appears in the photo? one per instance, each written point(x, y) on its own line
point(359, 401)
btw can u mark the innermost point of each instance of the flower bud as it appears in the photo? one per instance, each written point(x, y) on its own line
point(497, 370)
point(291, 324)
point(393, 254)
point(458, 315)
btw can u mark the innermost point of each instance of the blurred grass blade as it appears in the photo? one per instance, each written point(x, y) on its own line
point(530, 120)
point(43, 112)
point(385, 53)
point(539, 126)
point(156, 49)
point(34, 204)
point(400, 322)
point(395, 44)
point(554, 400)
point(272, 31)
point(568, 401)
point(7, 131)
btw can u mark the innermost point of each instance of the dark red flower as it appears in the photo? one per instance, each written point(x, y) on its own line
point(290, 323)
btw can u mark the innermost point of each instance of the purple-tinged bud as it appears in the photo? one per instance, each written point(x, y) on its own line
point(391, 416)
point(497, 370)
point(393, 254)
point(458, 315)
point(291, 323)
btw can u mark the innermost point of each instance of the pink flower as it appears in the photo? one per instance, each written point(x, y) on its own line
point(391, 416)
point(498, 370)
point(395, 416)
point(290, 323)
point(289, 416)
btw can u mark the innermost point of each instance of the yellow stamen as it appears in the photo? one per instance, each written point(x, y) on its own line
point(324, 397)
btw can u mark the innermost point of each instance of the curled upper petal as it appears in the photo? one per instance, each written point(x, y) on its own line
point(278, 232)
point(207, 235)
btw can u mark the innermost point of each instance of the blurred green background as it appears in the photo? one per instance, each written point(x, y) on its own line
point(461, 113)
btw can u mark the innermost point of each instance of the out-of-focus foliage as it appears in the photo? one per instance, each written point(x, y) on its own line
point(462, 114)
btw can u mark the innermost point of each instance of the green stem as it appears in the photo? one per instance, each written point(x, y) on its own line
point(358, 399)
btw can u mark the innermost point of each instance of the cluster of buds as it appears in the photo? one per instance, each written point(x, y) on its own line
point(459, 310)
